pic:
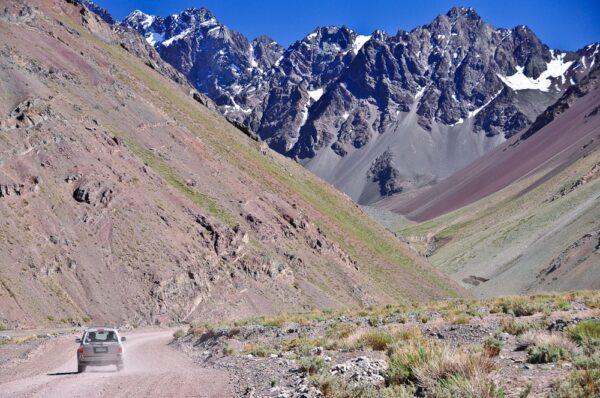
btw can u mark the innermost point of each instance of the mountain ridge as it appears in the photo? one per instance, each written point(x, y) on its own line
point(337, 101)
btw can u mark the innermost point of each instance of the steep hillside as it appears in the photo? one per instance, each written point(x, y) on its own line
point(528, 215)
point(125, 198)
point(527, 237)
point(374, 115)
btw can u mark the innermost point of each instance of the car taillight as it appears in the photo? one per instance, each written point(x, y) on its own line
point(120, 349)
point(80, 350)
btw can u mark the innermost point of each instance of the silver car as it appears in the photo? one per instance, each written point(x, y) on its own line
point(99, 347)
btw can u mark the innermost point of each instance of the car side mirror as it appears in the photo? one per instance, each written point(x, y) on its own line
point(123, 339)
point(78, 340)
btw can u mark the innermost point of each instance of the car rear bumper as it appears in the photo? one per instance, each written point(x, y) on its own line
point(101, 363)
point(95, 361)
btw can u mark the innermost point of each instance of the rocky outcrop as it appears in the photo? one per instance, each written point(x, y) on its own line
point(362, 371)
point(386, 175)
point(7, 190)
point(576, 253)
point(26, 14)
point(94, 192)
point(96, 9)
point(29, 113)
point(590, 176)
point(227, 242)
point(179, 296)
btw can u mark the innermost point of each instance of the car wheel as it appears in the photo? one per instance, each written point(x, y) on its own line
point(120, 367)
point(80, 368)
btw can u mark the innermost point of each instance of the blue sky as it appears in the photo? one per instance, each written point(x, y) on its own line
point(566, 25)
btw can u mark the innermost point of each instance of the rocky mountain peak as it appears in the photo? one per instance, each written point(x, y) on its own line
point(201, 14)
point(266, 51)
point(138, 20)
point(335, 93)
point(469, 13)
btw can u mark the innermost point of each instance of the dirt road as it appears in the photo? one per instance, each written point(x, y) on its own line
point(152, 369)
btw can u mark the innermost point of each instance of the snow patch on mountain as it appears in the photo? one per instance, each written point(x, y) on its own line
point(476, 111)
point(359, 42)
point(209, 22)
point(554, 69)
point(154, 38)
point(179, 36)
point(149, 19)
point(316, 94)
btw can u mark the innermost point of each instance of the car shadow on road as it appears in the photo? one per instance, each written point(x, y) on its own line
point(76, 373)
point(61, 373)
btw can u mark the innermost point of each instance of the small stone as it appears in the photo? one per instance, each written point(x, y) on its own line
point(317, 351)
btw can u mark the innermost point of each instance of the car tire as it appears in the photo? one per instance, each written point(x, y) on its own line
point(120, 367)
point(80, 368)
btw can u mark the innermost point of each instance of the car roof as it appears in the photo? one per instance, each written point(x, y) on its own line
point(101, 329)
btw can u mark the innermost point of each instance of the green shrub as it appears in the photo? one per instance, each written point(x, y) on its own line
point(579, 384)
point(276, 321)
point(517, 328)
point(525, 392)
point(227, 350)
point(524, 309)
point(258, 350)
point(198, 329)
point(587, 362)
point(546, 353)
point(492, 346)
point(460, 386)
point(300, 346)
point(586, 334)
point(517, 306)
point(335, 387)
point(312, 365)
point(441, 371)
point(404, 359)
point(340, 331)
point(179, 333)
point(459, 319)
point(589, 329)
point(376, 340)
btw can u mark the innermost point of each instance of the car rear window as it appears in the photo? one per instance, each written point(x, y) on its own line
point(101, 336)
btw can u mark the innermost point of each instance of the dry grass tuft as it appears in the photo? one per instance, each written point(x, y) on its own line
point(441, 370)
point(538, 338)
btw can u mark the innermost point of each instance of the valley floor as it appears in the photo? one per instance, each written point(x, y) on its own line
point(544, 345)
